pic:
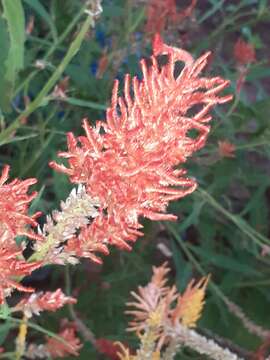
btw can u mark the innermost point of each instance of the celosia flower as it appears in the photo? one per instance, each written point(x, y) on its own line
point(14, 204)
point(159, 310)
point(12, 266)
point(226, 149)
point(154, 299)
point(244, 52)
point(37, 302)
point(129, 163)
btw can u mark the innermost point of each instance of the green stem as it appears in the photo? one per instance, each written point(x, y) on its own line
point(53, 48)
point(37, 102)
point(38, 328)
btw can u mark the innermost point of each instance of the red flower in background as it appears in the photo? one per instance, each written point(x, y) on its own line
point(244, 52)
point(226, 149)
point(130, 162)
point(70, 346)
point(161, 12)
point(108, 348)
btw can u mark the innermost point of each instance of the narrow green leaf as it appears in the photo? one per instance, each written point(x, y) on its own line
point(223, 261)
point(5, 45)
point(14, 16)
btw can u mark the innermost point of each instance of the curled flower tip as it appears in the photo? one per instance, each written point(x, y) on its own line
point(14, 205)
point(190, 304)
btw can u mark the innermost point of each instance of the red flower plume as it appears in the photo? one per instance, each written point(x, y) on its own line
point(14, 204)
point(130, 162)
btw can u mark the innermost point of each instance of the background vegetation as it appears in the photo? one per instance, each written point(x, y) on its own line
point(62, 70)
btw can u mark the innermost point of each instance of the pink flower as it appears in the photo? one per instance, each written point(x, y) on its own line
point(130, 163)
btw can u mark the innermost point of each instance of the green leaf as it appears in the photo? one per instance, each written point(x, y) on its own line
point(4, 311)
point(14, 16)
point(4, 330)
point(224, 262)
point(5, 45)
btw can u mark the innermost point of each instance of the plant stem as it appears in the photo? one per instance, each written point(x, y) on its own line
point(37, 102)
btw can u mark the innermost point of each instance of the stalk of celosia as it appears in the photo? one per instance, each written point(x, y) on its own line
point(129, 164)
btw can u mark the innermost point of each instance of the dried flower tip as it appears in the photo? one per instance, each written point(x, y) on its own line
point(190, 303)
point(37, 302)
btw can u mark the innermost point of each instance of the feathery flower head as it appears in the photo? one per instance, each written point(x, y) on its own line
point(157, 299)
point(14, 205)
point(129, 163)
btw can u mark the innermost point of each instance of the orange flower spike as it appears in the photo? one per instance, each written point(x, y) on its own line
point(244, 52)
point(129, 162)
point(14, 204)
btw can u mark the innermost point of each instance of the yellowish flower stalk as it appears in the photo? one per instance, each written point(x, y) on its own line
point(21, 339)
point(247, 323)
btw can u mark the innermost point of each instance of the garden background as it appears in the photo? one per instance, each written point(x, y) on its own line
point(60, 69)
